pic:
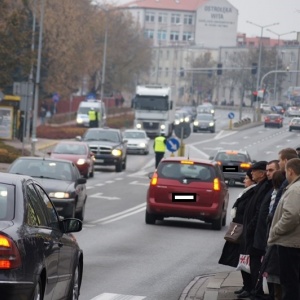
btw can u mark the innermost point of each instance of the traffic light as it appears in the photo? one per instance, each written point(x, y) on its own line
point(254, 69)
point(219, 70)
point(181, 72)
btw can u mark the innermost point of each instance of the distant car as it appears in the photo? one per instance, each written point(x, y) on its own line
point(182, 116)
point(108, 146)
point(204, 122)
point(39, 257)
point(294, 124)
point(293, 111)
point(187, 188)
point(61, 180)
point(77, 152)
point(274, 120)
point(265, 108)
point(278, 109)
point(191, 110)
point(206, 108)
point(137, 141)
point(234, 164)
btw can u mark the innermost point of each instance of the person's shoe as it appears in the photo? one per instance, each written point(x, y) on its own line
point(244, 295)
point(239, 291)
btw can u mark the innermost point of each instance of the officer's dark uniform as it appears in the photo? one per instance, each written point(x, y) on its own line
point(159, 147)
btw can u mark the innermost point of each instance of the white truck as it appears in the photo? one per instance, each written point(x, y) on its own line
point(154, 110)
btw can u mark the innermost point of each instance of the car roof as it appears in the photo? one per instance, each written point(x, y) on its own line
point(204, 115)
point(104, 129)
point(37, 158)
point(277, 115)
point(14, 179)
point(134, 130)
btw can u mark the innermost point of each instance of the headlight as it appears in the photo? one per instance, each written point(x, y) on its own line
point(177, 122)
point(212, 111)
point(211, 124)
point(79, 120)
point(116, 152)
point(186, 119)
point(162, 126)
point(142, 145)
point(60, 195)
point(80, 161)
point(138, 126)
point(196, 123)
point(181, 120)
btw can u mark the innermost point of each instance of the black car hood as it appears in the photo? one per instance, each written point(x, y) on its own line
point(54, 185)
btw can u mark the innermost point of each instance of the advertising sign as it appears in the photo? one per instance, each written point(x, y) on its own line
point(6, 122)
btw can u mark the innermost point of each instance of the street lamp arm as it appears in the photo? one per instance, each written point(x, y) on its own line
point(278, 71)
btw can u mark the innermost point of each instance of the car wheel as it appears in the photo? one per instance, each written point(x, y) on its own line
point(149, 218)
point(290, 129)
point(146, 152)
point(224, 219)
point(231, 182)
point(212, 131)
point(217, 224)
point(80, 214)
point(119, 166)
point(75, 285)
point(86, 175)
point(92, 172)
point(124, 163)
point(38, 291)
point(265, 126)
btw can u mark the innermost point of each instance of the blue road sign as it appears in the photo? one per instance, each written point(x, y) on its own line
point(231, 115)
point(172, 144)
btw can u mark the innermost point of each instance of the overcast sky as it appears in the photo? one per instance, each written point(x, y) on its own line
point(262, 13)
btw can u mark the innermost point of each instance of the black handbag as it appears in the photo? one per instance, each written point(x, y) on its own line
point(234, 232)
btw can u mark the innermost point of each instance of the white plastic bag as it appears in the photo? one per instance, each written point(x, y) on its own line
point(244, 263)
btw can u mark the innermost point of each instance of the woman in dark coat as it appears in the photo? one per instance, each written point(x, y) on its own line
point(231, 251)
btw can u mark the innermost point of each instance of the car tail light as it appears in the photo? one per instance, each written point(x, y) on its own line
point(9, 254)
point(154, 179)
point(216, 184)
point(245, 165)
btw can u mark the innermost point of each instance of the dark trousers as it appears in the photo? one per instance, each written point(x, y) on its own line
point(247, 282)
point(255, 266)
point(158, 157)
point(289, 262)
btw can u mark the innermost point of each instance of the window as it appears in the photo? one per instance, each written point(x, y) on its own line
point(149, 34)
point(150, 17)
point(7, 202)
point(174, 36)
point(187, 36)
point(166, 72)
point(162, 18)
point(162, 35)
point(188, 19)
point(175, 18)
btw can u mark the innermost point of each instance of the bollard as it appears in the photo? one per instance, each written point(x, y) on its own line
point(230, 124)
point(181, 149)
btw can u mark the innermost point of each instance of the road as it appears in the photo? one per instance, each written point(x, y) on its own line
point(126, 259)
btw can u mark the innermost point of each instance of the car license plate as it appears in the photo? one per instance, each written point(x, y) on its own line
point(179, 197)
point(100, 161)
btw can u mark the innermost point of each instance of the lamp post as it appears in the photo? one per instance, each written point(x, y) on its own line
point(104, 57)
point(276, 64)
point(258, 114)
point(37, 81)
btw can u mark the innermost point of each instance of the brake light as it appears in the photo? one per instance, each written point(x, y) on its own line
point(9, 254)
point(231, 152)
point(245, 165)
point(154, 179)
point(216, 184)
point(187, 162)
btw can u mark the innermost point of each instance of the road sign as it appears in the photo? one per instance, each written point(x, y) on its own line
point(182, 130)
point(172, 144)
point(231, 115)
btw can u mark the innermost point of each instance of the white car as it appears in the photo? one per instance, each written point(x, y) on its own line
point(265, 108)
point(293, 111)
point(137, 141)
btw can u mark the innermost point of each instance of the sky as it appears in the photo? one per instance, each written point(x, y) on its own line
point(262, 13)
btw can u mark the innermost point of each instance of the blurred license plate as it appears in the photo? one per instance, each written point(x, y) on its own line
point(183, 197)
point(100, 160)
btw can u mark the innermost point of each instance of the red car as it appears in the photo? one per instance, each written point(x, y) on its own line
point(274, 120)
point(187, 188)
point(77, 152)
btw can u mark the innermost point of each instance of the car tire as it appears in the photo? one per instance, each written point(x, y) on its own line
point(86, 175)
point(38, 293)
point(75, 285)
point(290, 129)
point(217, 223)
point(119, 166)
point(224, 219)
point(149, 218)
point(92, 172)
point(124, 163)
point(212, 131)
point(146, 152)
point(265, 126)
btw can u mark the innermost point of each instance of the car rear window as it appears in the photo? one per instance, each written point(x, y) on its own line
point(231, 157)
point(6, 202)
point(177, 170)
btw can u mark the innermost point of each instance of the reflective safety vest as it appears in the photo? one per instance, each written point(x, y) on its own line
point(92, 115)
point(159, 145)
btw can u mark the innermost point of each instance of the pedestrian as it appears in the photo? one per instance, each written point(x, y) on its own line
point(93, 118)
point(159, 147)
point(285, 232)
point(43, 112)
point(231, 251)
point(250, 221)
point(298, 151)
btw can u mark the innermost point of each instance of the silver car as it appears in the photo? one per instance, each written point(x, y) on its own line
point(137, 141)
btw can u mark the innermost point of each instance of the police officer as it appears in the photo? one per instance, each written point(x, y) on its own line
point(159, 147)
point(93, 118)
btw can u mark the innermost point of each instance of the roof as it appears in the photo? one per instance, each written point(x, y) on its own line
point(183, 5)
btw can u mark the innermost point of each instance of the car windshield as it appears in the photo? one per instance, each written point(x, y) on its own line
point(239, 157)
point(43, 169)
point(177, 170)
point(101, 135)
point(70, 149)
point(204, 117)
point(7, 202)
point(135, 135)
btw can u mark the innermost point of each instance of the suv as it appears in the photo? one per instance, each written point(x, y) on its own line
point(187, 188)
point(234, 164)
point(108, 147)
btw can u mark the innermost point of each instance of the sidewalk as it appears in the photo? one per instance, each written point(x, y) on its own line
point(219, 286)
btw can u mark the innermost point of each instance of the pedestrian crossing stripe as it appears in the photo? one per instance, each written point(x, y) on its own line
point(109, 296)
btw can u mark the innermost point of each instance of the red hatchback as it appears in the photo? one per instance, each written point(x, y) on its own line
point(274, 120)
point(77, 152)
point(187, 188)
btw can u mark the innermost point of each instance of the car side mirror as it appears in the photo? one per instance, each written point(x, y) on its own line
point(71, 225)
point(125, 141)
point(78, 138)
point(150, 175)
point(81, 180)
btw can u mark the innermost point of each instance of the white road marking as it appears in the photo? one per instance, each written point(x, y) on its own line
point(229, 143)
point(99, 195)
point(109, 296)
point(99, 184)
point(124, 216)
point(109, 181)
point(139, 183)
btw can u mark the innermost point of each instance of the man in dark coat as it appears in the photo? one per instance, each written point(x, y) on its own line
point(250, 221)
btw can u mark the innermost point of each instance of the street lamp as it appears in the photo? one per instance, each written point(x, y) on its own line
point(276, 66)
point(259, 64)
point(104, 56)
